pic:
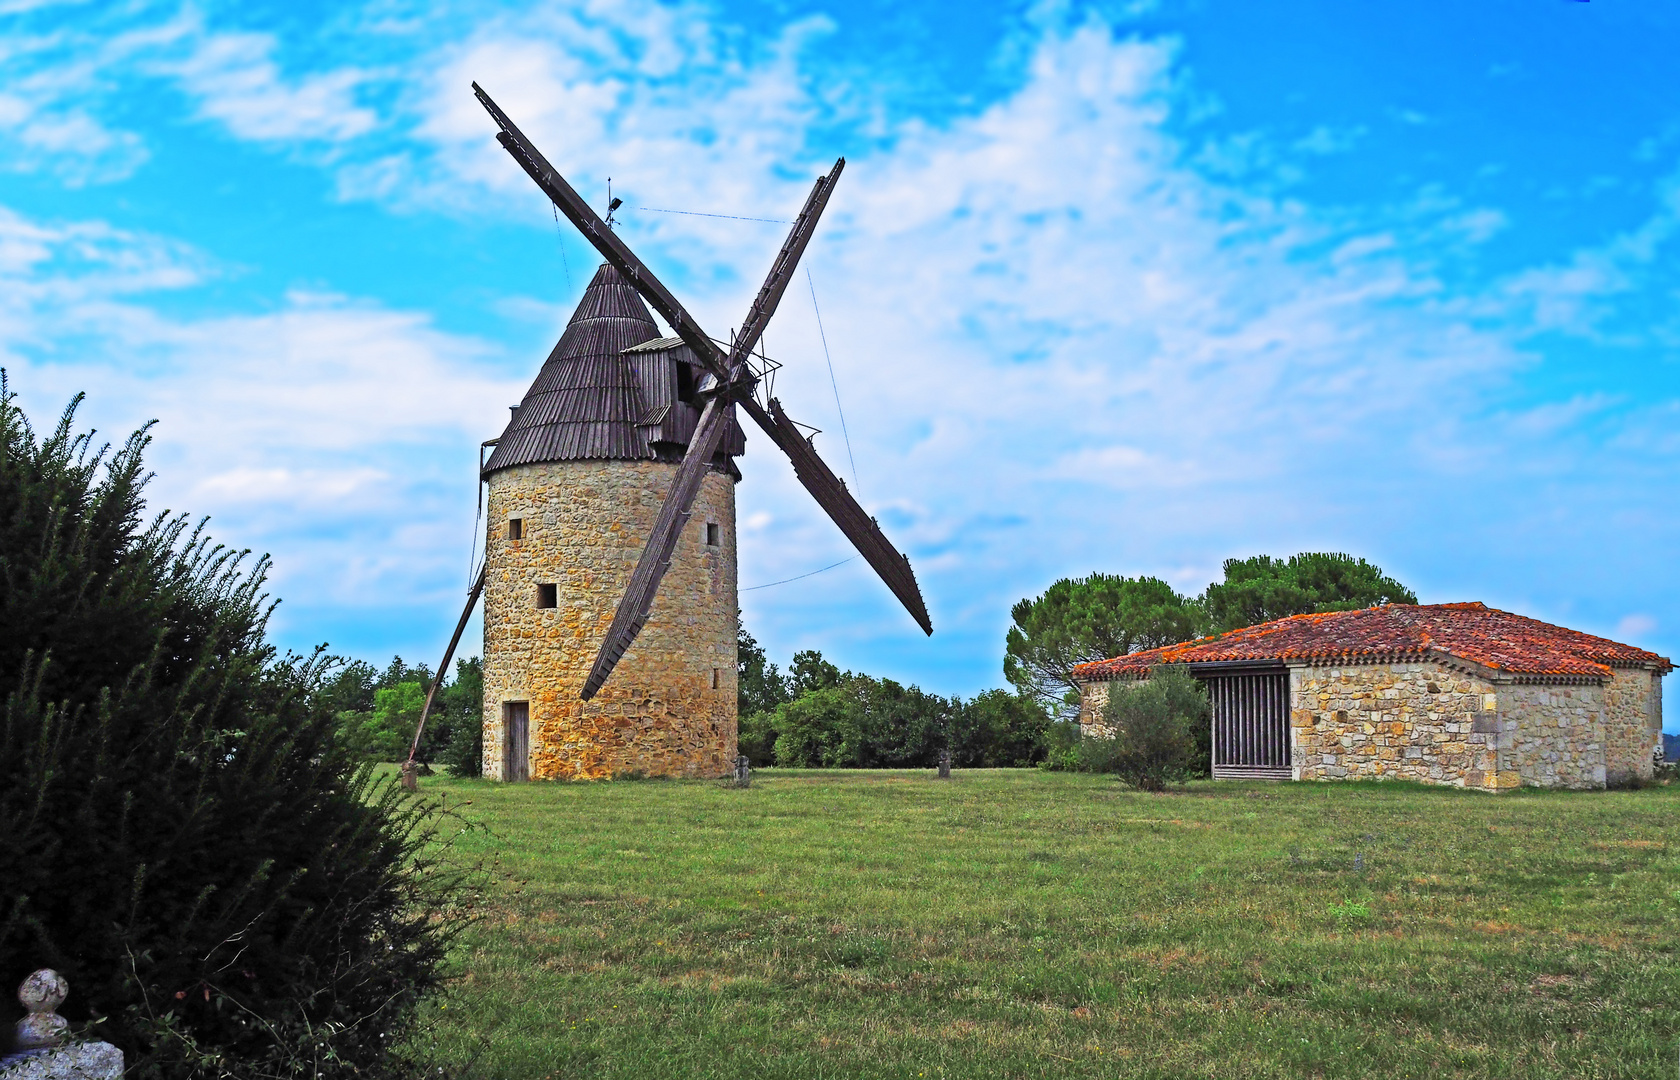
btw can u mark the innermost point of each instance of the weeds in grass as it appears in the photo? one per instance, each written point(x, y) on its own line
point(1351, 912)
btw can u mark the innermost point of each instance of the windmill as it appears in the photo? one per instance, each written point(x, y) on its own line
point(615, 361)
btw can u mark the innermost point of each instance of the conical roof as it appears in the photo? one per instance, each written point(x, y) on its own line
point(585, 402)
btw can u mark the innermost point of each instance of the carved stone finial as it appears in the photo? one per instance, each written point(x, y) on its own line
point(41, 993)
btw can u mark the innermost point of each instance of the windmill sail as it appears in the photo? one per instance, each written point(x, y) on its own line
point(598, 233)
point(830, 492)
point(735, 382)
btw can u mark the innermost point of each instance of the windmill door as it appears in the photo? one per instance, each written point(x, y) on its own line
point(516, 740)
point(1250, 722)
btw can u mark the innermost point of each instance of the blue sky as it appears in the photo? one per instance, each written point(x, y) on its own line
point(1123, 287)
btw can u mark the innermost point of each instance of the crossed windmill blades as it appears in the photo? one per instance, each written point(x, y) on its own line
point(728, 381)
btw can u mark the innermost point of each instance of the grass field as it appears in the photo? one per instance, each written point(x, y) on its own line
point(1023, 924)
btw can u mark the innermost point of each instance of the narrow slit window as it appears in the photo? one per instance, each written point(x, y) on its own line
point(714, 534)
point(516, 528)
point(717, 676)
point(548, 596)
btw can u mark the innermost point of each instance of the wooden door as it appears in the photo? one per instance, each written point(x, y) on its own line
point(1250, 725)
point(516, 740)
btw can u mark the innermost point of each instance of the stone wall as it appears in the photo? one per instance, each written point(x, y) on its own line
point(1632, 725)
point(1557, 734)
point(1093, 696)
point(1411, 721)
point(1440, 725)
point(668, 709)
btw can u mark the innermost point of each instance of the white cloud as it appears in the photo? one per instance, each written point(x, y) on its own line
point(1635, 626)
point(1324, 139)
point(58, 87)
point(1580, 296)
point(293, 486)
point(236, 80)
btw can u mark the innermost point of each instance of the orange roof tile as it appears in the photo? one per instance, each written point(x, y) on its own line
point(1472, 632)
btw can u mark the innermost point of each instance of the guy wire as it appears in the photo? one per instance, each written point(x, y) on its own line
point(731, 217)
point(564, 262)
point(832, 382)
point(813, 573)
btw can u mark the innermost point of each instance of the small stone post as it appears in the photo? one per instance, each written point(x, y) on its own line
point(410, 776)
point(42, 1037)
point(945, 764)
point(743, 772)
point(41, 1027)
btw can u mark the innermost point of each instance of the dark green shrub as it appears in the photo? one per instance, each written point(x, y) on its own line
point(811, 728)
point(757, 738)
point(181, 835)
point(1154, 724)
point(998, 729)
point(827, 718)
point(462, 708)
point(862, 723)
point(1062, 752)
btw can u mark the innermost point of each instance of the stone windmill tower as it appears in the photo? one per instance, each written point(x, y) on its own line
point(575, 484)
point(617, 473)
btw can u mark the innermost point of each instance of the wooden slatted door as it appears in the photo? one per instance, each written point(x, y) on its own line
point(516, 740)
point(1250, 724)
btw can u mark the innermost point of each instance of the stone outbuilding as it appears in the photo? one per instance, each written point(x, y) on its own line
point(1458, 694)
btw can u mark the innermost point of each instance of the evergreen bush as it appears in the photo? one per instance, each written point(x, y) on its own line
point(1154, 724)
point(181, 834)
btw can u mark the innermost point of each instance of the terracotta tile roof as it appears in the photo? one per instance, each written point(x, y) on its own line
point(1471, 632)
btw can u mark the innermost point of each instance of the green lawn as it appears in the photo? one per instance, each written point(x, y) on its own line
point(1020, 924)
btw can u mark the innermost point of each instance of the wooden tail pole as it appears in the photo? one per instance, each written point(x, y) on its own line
point(410, 775)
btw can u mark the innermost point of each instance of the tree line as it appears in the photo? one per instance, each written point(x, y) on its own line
point(1079, 620)
point(817, 716)
point(377, 709)
point(814, 715)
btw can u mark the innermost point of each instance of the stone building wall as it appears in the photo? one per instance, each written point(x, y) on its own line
point(1092, 697)
point(1410, 721)
point(1441, 725)
point(1632, 725)
point(669, 707)
point(1557, 733)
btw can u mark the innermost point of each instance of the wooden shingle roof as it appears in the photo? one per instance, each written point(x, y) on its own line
point(593, 398)
point(1470, 632)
